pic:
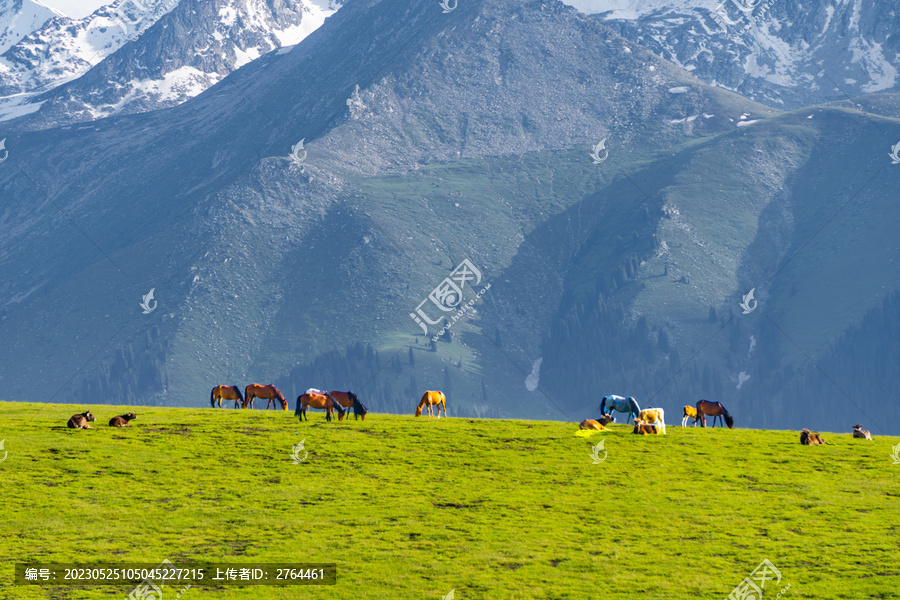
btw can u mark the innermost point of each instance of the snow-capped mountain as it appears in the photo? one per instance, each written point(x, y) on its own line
point(18, 18)
point(788, 53)
point(185, 52)
point(63, 48)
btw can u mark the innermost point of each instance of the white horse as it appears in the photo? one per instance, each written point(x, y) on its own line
point(620, 404)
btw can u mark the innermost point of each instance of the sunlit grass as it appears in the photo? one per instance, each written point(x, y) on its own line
point(412, 508)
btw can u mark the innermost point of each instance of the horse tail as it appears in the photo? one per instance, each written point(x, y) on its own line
point(237, 391)
point(297, 411)
point(212, 398)
point(603, 406)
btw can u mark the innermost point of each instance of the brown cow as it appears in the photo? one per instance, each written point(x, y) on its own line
point(859, 432)
point(80, 421)
point(644, 428)
point(811, 438)
point(599, 425)
point(122, 420)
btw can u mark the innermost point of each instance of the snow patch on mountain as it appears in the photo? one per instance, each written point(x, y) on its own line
point(18, 18)
point(781, 52)
point(62, 48)
point(188, 50)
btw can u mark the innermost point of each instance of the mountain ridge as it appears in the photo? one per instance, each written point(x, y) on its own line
point(270, 268)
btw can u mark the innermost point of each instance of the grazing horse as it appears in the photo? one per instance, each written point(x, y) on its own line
point(620, 404)
point(859, 432)
point(689, 413)
point(226, 392)
point(654, 416)
point(350, 400)
point(264, 392)
point(432, 399)
point(318, 399)
point(713, 409)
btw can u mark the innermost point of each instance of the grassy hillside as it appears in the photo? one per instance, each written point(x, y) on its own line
point(414, 508)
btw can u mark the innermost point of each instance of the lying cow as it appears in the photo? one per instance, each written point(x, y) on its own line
point(811, 438)
point(644, 428)
point(654, 416)
point(599, 425)
point(122, 420)
point(81, 420)
point(859, 432)
point(690, 412)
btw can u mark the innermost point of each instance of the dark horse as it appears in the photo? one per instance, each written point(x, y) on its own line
point(225, 392)
point(714, 409)
point(350, 400)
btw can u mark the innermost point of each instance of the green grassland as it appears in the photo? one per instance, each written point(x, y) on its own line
point(414, 508)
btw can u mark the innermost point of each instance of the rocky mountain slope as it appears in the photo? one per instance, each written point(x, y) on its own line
point(116, 62)
point(785, 53)
point(63, 48)
point(618, 208)
point(18, 18)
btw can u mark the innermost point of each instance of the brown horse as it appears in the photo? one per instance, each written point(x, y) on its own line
point(226, 392)
point(350, 400)
point(432, 399)
point(318, 399)
point(713, 409)
point(266, 392)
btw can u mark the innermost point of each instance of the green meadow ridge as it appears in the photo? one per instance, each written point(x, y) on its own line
point(415, 507)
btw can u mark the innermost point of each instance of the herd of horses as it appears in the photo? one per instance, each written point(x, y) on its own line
point(652, 420)
point(647, 421)
point(331, 402)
